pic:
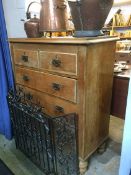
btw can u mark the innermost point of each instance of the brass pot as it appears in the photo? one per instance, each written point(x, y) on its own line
point(89, 16)
point(53, 16)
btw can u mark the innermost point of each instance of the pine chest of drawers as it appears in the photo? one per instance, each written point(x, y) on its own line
point(70, 75)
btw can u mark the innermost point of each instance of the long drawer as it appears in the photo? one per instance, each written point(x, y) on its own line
point(52, 84)
point(52, 105)
point(59, 62)
point(27, 58)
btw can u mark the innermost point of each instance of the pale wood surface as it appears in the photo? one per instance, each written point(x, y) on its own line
point(68, 62)
point(69, 40)
point(99, 79)
point(116, 129)
point(32, 57)
point(88, 92)
point(44, 82)
point(50, 102)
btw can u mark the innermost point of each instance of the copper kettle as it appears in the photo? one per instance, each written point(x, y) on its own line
point(32, 25)
point(53, 16)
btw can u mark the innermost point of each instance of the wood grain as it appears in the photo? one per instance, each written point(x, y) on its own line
point(65, 63)
point(32, 58)
point(86, 77)
point(99, 78)
point(71, 40)
point(64, 87)
point(50, 103)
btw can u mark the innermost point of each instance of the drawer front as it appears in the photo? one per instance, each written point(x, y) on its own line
point(58, 62)
point(52, 105)
point(123, 57)
point(52, 84)
point(27, 58)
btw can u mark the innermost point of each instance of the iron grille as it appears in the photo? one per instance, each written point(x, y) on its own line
point(50, 142)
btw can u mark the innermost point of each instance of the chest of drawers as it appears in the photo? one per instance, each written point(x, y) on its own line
point(70, 75)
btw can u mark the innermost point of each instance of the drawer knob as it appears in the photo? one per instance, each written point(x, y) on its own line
point(25, 78)
point(56, 62)
point(59, 109)
point(56, 86)
point(24, 58)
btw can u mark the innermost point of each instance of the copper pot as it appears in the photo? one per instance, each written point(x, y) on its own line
point(32, 25)
point(32, 28)
point(53, 15)
point(89, 16)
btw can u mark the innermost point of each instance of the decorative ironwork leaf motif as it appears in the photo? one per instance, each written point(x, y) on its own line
point(51, 143)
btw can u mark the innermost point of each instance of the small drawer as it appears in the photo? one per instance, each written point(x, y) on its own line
point(52, 84)
point(27, 58)
point(52, 105)
point(59, 62)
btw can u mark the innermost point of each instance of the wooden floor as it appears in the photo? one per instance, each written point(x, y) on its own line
point(99, 164)
point(108, 163)
point(116, 129)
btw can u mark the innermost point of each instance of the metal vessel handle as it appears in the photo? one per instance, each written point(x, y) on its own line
point(28, 14)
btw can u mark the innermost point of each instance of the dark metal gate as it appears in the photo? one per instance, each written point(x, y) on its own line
point(50, 142)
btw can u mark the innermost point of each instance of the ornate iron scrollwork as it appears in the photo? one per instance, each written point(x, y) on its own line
point(50, 142)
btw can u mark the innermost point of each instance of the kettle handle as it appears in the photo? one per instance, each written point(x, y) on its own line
point(28, 14)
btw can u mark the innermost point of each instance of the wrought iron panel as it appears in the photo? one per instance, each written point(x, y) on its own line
point(64, 130)
point(50, 142)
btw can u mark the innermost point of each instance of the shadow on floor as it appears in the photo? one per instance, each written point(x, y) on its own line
point(106, 163)
point(99, 164)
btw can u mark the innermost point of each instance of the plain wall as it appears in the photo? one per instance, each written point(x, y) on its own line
point(14, 11)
